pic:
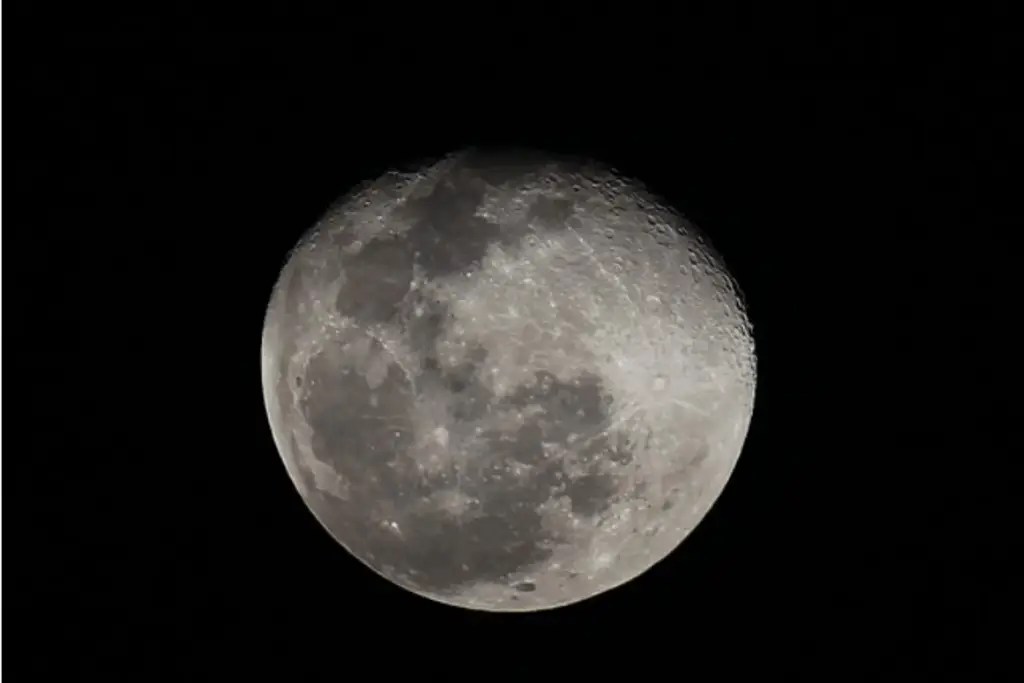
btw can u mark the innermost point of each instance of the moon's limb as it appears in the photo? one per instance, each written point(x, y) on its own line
point(507, 387)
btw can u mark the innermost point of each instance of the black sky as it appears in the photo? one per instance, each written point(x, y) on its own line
point(155, 184)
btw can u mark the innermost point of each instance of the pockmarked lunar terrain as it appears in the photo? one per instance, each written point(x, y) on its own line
point(507, 382)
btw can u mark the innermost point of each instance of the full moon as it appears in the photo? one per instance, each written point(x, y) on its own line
point(507, 381)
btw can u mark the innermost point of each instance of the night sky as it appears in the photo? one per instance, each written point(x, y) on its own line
point(156, 181)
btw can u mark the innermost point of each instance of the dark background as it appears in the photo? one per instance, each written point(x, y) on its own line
point(156, 179)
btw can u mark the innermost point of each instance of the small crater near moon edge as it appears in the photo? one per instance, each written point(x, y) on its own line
point(526, 587)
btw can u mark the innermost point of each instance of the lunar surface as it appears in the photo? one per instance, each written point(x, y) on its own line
point(507, 382)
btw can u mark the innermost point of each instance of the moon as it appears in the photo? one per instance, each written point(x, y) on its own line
point(507, 381)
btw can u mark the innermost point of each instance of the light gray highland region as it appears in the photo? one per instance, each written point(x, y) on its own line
point(507, 382)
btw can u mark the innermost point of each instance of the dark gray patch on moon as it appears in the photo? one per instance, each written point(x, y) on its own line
point(355, 430)
point(438, 552)
point(578, 407)
point(590, 493)
point(470, 397)
point(364, 441)
point(552, 214)
point(424, 330)
point(447, 237)
point(376, 281)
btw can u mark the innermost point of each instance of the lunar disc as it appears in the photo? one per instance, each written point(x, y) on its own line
point(507, 382)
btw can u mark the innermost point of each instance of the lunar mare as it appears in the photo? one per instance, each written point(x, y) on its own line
point(507, 382)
